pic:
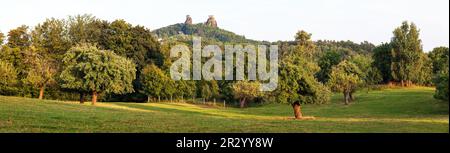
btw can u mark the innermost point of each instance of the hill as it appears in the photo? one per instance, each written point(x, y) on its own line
point(389, 110)
point(208, 33)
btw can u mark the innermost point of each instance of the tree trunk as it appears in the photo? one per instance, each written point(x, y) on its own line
point(402, 83)
point(148, 99)
point(81, 98)
point(242, 103)
point(346, 98)
point(297, 110)
point(41, 92)
point(159, 98)
point(94, 97)
point(351, 97)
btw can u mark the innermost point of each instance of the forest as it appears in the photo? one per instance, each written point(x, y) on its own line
point(81, 58)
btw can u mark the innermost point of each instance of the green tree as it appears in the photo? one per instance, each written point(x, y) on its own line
point(347, 48)
point(215, 91)
point(89, 69)
point(8, 77)
point(16, 57)
point(345, 78)
point(305, 44)
point(185, 88)
point(440, 59)
point(15, 52)
point(423, 74)
point(205, 93)
point(245, 91)
point(154, 80)
point(208, 89)
point(85, 29)
point(50, 38)
point(373, 77)
point(382, 60)
point(370, 75)
point(119, 37)
point(40, 73)
point(326, 62)
point(170, 89)
point(19, 37)
point(441, 82)
point(406, 53)
point(297, 84)
point(134, 42)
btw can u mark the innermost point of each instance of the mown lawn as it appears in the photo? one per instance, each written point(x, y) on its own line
point(389, 110)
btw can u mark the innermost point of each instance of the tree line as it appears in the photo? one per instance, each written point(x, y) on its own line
point(82, 56)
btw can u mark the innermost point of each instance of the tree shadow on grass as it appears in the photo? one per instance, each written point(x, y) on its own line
point(198, 110)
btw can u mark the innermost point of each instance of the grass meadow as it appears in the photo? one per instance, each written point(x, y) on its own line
point(407, 110)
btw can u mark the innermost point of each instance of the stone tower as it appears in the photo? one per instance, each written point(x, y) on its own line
point(188, 20)
point(211, 21)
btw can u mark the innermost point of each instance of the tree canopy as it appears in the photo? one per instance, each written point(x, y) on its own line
point(19, 37)
point(41, 71)
point(125, 62)
point(245, 90)
point(89, 69)
point(440, 61)
point(406, 53)
point(297, 84)
point(154, 81)
point(345, 78)
point(8, 76)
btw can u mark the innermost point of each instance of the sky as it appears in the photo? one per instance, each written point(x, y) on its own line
point(271, 20)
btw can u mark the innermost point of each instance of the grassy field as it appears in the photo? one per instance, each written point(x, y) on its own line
point(389, 110)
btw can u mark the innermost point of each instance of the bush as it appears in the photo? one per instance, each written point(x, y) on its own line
point(8, 78)
point(441, 82)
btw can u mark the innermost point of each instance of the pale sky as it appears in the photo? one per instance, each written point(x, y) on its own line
point(272, 20)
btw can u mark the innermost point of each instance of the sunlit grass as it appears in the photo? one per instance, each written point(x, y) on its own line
point(388, 110)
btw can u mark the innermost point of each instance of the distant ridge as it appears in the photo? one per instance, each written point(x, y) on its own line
point(208, 31)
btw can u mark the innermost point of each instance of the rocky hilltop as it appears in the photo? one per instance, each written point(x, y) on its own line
point(208, 31)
